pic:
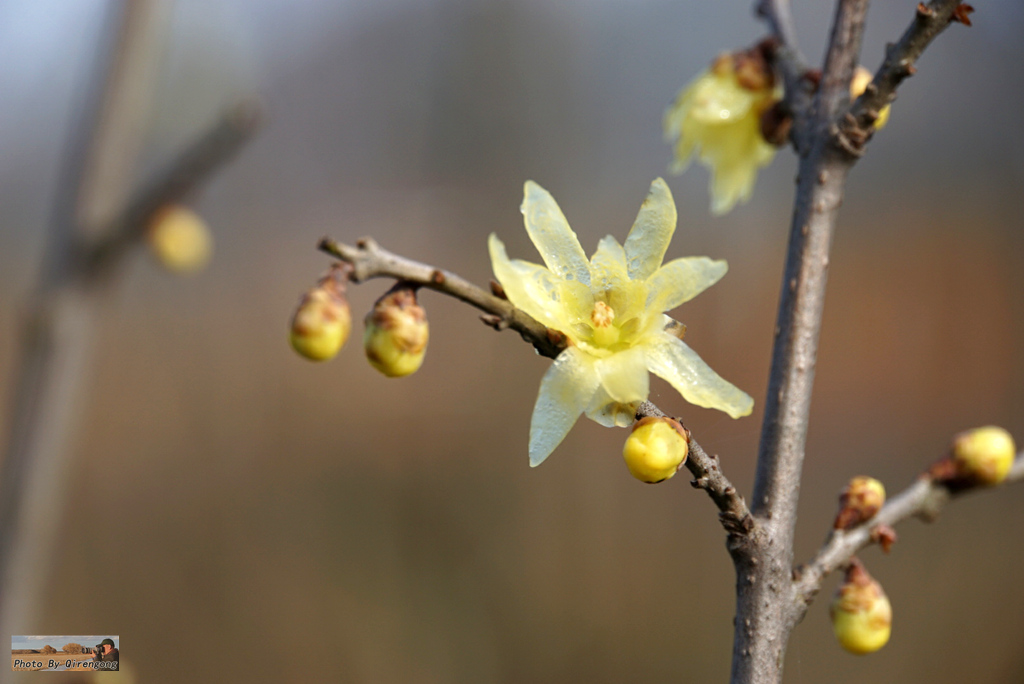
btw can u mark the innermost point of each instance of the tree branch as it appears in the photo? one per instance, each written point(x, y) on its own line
point(370, 260)
point(707, 475)
point(923, 499)
point(900, 58)
point(764, 616)
point(798, 88)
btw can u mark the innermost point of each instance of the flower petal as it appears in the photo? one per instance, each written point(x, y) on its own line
point(565, 391)
point(681, 280)
point(624, 385)
point(670, 358)
point(551, 234)
point(648, 239)
point(608, 266)
point(529, 287)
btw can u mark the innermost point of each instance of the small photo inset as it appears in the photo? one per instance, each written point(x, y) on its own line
point(63, 653)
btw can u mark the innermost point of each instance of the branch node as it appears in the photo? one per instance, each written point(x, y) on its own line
point(497, 290)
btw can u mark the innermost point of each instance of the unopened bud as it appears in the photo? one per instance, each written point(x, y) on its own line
point(322, 321)
point(859, 501)
point(180, 239)
point(396, 333)
point(861, 612)
point(861, 78)
point(984, 455)
point(655, 449)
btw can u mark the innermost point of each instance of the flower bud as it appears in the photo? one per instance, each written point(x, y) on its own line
point(984, 455)
point(322, 321)
point(655, 449)
point(861, 612)
point(396, 333)
point(859, 501)
point(861, 78)
point(180, 239)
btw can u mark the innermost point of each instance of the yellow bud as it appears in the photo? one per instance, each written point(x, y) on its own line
point(396, 333)
point(180, 239)
point(862, 498)
point(655, 449)
point(322, 321)
point(984, 455)
point(861, 612)
point(861, 78)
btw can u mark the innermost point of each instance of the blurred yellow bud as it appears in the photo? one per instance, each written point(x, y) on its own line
point(396, 333)
point(862, 498)
point(984, 455)
point(655, 449)
point(861, 78)
point(180, 239)
point(861, 612)
point(322, 321)
point(718, 118)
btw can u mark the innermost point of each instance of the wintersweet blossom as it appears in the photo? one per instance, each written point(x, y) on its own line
point(718, 118)
point(610, 309)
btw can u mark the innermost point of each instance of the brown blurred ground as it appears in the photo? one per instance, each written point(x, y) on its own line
point(336, 525)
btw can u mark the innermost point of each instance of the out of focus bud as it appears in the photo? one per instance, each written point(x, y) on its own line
point(983, 455)
point(861, 78)
point(859, 501)
point(396, 333)
point(322, 320)
point(655, 449)
point(180, 239)
point(861, 612)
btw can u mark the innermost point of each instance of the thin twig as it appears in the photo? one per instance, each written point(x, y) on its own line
point(798, 88)
point(900, 59)
point(707, 475)
point(370, 260)
point(923, 499)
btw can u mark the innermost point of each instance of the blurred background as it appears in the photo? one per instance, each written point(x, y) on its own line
point(278, 520)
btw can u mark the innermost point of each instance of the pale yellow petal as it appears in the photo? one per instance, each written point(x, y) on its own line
point(648, 239)
point(529, 287)
point(608, 266)
point(670, 358)
point(551, 234)
point(716, 99)
point(565, 391)
point(624, 375)
point(681, 280)
point(605, 411)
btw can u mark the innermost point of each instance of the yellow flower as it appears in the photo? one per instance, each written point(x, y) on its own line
point(718, 117)
point(861, 78)
point(610, 310)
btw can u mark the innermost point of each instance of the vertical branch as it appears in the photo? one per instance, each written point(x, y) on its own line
point(765, 615)
point(55, 343)
point(63, 313)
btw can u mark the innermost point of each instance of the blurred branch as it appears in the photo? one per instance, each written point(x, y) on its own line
point(923, 499)
point(798, 87)
point(210, 151)
point(929, 21)
point(62, 314)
